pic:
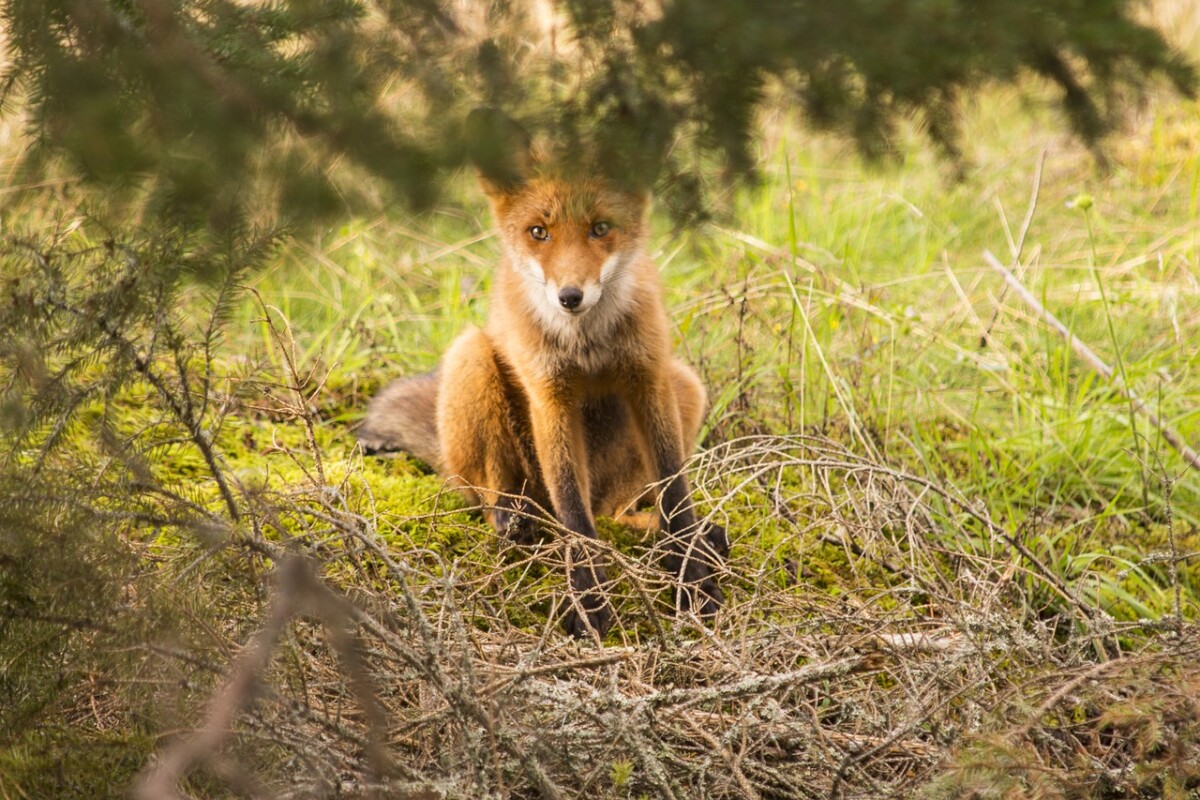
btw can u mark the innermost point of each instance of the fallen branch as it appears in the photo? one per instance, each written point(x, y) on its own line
point(794, 734)
point(299, 590)
point(1096, 363)
point(159, 781)
point(757, 685)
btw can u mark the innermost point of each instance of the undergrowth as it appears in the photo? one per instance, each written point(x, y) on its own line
point(960, 567)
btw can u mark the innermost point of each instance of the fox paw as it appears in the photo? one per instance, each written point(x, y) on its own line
point(698, 591)
point(511, 517)
point(696, 571)
point(598, 619)
point(703, 597)
point(717, 539)
point(589, 610)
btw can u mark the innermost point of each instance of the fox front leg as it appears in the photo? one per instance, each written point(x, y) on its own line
point(558, 439)
point(693, 550)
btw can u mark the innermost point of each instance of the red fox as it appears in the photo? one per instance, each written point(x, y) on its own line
point(570, 395)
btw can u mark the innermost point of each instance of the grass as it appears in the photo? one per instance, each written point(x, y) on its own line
point(896, 444)
point(852, 300)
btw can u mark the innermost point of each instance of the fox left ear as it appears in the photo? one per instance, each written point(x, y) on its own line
point(500, 149)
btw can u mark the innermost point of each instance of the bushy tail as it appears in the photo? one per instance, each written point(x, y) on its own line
point(404, 417)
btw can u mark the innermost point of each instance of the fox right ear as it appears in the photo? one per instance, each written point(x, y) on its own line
point(500, 149)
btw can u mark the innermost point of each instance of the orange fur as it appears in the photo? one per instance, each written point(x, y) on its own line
point(570, 396)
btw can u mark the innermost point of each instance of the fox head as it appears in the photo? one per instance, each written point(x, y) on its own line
point(571, 237)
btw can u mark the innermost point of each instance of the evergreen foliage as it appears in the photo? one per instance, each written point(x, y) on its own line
point(208, 108)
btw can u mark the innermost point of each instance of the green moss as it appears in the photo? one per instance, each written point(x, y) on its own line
point(72, 761)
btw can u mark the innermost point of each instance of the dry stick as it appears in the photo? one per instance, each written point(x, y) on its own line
point(837, 459)
point(759, 684)
point(298, 588)
point(287, 349)
point(1095, 362)
point(468, 705)
point(159, 781)
point(498, 685)
point(335, 611)
point(735, 769)
point(857, 743)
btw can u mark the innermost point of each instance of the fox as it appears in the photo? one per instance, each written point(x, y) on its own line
point(569, 398)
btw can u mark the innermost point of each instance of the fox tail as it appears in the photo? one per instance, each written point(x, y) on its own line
point(404, 417)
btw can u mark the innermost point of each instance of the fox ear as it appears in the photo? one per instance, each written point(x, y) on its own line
point(500, 149)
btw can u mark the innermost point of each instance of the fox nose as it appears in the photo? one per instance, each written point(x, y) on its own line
point(570, 298)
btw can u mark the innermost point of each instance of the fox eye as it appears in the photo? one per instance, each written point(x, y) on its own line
point(600, 230)
point(539, 233)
